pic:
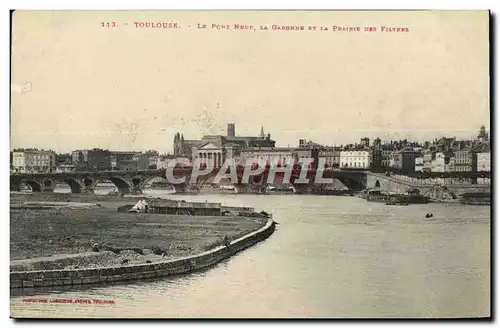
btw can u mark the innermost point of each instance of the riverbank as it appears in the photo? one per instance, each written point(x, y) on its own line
point(124, 272)
point(61, 238)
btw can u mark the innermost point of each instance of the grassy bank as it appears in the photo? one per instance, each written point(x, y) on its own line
point(134, 238)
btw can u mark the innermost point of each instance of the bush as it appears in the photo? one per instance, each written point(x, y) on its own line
point(157, 250)
point(137, 250)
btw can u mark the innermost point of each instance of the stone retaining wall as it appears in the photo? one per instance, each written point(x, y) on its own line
point(28, 279)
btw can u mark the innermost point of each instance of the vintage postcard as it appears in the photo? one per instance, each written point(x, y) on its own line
point(250, 164)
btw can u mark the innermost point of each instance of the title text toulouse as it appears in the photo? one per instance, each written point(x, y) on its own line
point(273, 27)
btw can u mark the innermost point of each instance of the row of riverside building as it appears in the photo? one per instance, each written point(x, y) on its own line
point(46, 161)
point(439, 155)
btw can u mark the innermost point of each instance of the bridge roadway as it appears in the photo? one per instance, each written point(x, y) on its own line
point(136, 181)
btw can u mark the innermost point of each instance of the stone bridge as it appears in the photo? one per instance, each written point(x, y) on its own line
point(434, 191)
point(135, 181)
point(126, 182)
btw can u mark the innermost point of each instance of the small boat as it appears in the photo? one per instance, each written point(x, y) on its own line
point(397, 203)
point(429, 215)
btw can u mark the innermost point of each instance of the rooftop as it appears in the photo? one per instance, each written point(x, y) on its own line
point(484, 148)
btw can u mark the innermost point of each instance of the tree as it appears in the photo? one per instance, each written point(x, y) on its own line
point(63, 158)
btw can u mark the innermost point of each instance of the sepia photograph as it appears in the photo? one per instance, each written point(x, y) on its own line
point(250, 164)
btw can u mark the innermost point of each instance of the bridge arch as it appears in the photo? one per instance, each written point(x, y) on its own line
point(15, 183)
point(74, 185)
point(148, 182)
point(88, 182)
point(352, 183)
point(48, 183)
point(202, 180)
point(122, 185)
point(34, 185)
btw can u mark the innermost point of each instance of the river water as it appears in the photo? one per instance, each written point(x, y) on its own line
point(330, 257)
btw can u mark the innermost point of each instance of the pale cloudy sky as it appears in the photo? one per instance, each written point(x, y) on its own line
point(128, 88)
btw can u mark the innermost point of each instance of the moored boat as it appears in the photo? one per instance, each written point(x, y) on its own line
point(397, 203)
point(477, 198)
point(332, 192)
point(413, 197)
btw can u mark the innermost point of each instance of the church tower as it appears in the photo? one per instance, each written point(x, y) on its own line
point(231, 132)
point(483, 136)
point(177, 140)
point(181, 148)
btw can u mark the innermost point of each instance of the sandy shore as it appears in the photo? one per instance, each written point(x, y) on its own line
point(80, 235)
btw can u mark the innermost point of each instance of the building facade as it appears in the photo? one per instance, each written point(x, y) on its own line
point(465, 161)
point(118, 158)
point(357, 159)
point(443, 162)
point(405, 159)
point(483, 162)
point(274, 157)
point(377, 154)
point(212, 154)
point(387, 158)
point(79, 157)
point(195, 148)
point(99, 160)
point(483, 157)
point(336, 158)
point(91, 159)
point(419, 164)
point(63, 159)
point(427, 161)
point(33, 161)
point(331, 156)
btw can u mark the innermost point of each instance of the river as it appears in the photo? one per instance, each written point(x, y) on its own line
point(330, 257)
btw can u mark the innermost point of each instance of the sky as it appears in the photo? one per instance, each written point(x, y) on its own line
point(77, 85)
